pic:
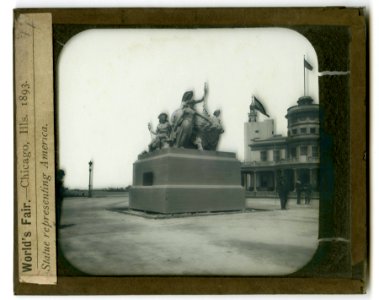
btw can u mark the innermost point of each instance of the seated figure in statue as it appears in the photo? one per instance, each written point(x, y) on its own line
point(162, 134)
point(209, 132)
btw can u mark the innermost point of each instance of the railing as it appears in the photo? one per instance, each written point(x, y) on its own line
point(283, 161)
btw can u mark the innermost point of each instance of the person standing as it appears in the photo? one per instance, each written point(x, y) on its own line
point(283, 190)
point(308, 193)
point(299, 187)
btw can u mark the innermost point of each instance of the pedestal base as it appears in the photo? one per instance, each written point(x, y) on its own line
point(184, 180)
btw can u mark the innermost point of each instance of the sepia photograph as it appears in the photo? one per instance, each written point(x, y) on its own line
point(188, 151)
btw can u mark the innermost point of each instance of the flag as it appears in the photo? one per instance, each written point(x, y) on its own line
point(259, 106)
point(307, 65)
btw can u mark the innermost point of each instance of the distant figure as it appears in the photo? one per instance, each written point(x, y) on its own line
point(299, 188)
point(283, 190)
point(308, 193)
point(162, 133)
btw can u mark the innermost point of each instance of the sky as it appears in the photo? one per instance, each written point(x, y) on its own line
point(113, 82)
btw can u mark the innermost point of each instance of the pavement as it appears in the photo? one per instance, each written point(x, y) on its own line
point(98, 236)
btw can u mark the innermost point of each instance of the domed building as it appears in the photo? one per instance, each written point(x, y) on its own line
point(295, 156)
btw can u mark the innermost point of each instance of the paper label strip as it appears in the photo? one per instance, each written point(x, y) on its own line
point(34, 130)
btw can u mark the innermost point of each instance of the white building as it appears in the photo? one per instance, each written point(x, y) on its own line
point(296, 156)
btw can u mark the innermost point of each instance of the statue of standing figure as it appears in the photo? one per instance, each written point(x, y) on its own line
point(189, 129)
point(184, 121)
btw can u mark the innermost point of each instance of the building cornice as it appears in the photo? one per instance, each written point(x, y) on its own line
point(271, 144)
point(272, 165)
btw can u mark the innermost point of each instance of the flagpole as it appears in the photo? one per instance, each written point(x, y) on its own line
point(304, 72)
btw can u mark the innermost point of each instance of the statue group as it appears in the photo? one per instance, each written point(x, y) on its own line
point(171, 180)
point(188, 128)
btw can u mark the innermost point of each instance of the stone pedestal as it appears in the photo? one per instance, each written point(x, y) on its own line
point(184, 180)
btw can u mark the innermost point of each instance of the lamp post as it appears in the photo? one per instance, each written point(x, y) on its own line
point(90, 179)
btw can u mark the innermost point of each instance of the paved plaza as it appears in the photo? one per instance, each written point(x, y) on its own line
point(98, 236)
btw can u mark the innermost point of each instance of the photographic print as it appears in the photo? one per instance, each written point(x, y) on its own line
point(189, 151)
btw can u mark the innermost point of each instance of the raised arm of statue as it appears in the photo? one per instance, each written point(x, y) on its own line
point(149, 127)
point(205, 94)
point(205, 90)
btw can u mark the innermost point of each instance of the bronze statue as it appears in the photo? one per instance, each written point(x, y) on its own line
point(188, 96)
point(162, 133)
point(184, 134)
point(210, 132)
point(190, 129)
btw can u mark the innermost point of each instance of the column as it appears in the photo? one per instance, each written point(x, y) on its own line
point(255, 181)
point(251, 182)
point(311, 179)
point(248, 181)
point(274, 180)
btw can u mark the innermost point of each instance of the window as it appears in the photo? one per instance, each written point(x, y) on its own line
point(315, 151)
point(293, 152)
point(313, 130)
point(294, 131)
point(303, 130)
point(276, 155)
point(303, 150)
point(263, 155)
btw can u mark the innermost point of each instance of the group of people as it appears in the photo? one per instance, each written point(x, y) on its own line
point(188, 127)
point(303, 188)
point(284, 189)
